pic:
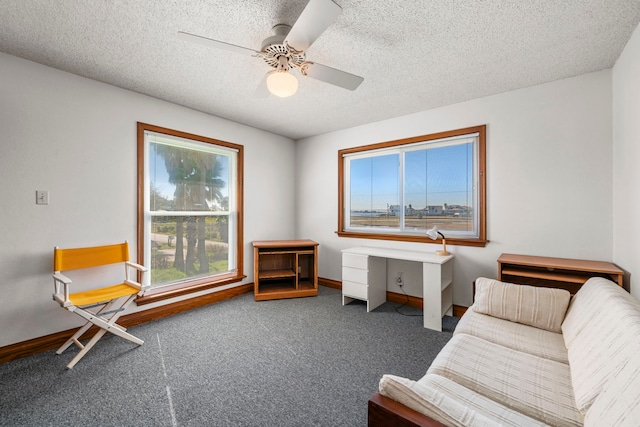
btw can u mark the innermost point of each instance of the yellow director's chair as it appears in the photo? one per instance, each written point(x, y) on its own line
point(100, 306)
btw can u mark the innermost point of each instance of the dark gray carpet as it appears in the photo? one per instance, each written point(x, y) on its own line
point(295, 362)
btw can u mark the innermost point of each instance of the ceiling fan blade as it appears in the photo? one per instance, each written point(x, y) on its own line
point(262, 91)
point(216, 43)
point(333, 76)
point(314, 19)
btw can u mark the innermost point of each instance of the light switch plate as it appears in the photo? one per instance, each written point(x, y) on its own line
point(42, 197)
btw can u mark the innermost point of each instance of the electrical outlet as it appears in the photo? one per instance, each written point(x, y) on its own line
point(399, 280)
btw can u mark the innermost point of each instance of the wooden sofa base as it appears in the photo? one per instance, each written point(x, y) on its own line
point(384, 412)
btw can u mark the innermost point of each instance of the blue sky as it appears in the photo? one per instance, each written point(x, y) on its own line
point(432, 177)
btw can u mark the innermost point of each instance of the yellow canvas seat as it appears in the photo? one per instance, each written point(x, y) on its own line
point(102, 294)
point(101, 306)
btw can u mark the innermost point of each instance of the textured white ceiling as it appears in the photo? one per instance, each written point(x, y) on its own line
point(413, 55)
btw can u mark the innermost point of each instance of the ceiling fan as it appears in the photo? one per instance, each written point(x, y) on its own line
point(285, 50)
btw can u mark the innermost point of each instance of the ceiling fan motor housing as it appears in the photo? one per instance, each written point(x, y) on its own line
point(274, 47)
point(279, 31)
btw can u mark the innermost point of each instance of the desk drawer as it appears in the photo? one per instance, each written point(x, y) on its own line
point(355, 290)
point(354, 260)
point(355, 275)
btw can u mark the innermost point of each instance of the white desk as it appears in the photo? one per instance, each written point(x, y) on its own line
point(364, 277)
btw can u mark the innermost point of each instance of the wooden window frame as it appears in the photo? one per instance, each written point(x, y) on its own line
point(480, 241)
point(197, 284)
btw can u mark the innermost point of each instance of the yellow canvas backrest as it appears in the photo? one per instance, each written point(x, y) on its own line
point(77, 258)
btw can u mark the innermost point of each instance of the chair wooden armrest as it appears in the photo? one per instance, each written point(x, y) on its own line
point(61, 278)
point(384, 412)
point(141, 285)
point(61, 295)
point(137, 266)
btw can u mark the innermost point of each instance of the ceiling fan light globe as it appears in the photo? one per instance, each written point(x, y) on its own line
point(282, 84)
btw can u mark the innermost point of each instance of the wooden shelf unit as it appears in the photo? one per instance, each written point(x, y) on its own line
point(563, 273)
point(285, 269)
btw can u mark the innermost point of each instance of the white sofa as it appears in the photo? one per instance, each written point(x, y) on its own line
point(524, 356)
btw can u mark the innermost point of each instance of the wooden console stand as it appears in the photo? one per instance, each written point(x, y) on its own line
point(285, 269)
point(564, 273)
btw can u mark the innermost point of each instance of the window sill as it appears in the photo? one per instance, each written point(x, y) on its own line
point(185, 288)
point(451, 241)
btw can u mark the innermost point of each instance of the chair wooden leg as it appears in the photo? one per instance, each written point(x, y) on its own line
point(74, 337)
point(108, 325)
point(86, 348)
point(114, 329)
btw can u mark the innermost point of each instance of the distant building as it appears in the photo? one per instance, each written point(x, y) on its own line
point(434, 210)
point(457, 210)
point(394, 210)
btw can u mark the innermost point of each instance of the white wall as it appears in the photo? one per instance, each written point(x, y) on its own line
point(549, 179)
point(626, 157)
point(76, 138)
point(549, 165)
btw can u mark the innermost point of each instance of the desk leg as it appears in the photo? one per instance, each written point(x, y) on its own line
point(346, 300)
point(432, 296)
point(377, 282)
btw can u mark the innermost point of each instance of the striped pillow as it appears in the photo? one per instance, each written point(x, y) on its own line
point(542, 308)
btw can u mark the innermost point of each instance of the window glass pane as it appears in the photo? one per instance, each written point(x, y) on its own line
point(186, 247)
point(397, 190)
point(439, 188)
point(374, 192)
point(183, 179)
point(191, 210)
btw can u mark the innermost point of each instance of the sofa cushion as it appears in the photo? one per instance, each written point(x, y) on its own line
point(619, 404)
point(587, 304)
point(537, 387)
point(602, 336)
point(517, 336)
point(451, 404)
point(542, 308)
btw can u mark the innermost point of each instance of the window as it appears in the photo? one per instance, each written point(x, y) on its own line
point(189, 211)
point(398, 190)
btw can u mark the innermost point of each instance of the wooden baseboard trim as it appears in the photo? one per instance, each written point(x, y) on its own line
point(329, 283)
point(459, 310)
point(184, 305)
point(55, 340)
point(404, 299)
point(34, 346)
